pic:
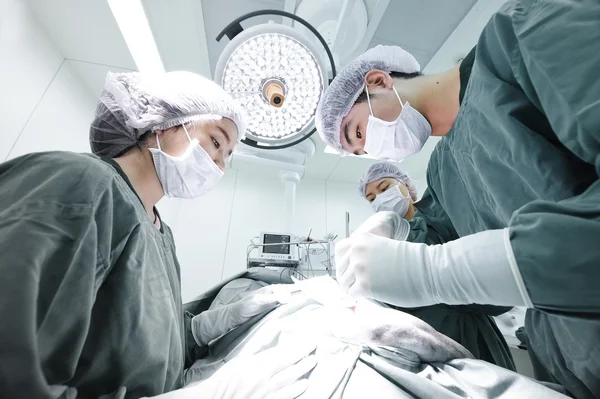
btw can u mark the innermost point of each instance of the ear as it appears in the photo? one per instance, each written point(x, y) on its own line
point(376, 78)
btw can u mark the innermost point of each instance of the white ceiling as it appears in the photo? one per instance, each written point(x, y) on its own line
point(185, 31)
point(420, 26)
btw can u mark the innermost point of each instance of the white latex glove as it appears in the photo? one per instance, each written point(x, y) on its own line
point(479, 268)
point(214, 323)
point(276, 373)
point(386, 224)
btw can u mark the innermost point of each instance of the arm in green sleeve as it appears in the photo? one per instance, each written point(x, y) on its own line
point(552, 47)
point(439, 227)
point(50, 271)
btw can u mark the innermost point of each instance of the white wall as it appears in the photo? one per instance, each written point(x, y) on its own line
point(43, 103)
point(212, 233)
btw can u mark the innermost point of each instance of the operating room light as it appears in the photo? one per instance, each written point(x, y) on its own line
point(266, 58)
point(277, 74)
point(132, 22)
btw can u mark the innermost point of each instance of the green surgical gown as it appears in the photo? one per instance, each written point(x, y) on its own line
point(524, 153)
point(91, 301)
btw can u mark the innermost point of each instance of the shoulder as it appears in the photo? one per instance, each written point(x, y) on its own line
point(69, 165)
point(64, 177)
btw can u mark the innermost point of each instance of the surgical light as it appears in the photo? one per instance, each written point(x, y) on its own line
point(277, 76)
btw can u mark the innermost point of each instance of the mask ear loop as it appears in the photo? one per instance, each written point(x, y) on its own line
point(369, 99)
point(397, 95)
point(186, 132)
point(158, 143)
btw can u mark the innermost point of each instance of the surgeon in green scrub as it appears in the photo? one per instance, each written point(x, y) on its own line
point(515, 177)
point(89, 280)
point(391, 191)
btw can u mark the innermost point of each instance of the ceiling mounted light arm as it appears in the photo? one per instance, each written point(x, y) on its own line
point(340, 26)
point(235, 28)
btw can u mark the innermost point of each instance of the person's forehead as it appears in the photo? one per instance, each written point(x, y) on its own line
point(353, 113)
point(229, 125)
point(374, 184)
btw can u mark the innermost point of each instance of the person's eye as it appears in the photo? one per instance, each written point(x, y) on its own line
point(216, 143)
point(358, 134)
point(385, 189)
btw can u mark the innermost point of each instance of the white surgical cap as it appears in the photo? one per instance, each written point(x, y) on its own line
point(133, 104)
point(382, 170)
point(350, 82)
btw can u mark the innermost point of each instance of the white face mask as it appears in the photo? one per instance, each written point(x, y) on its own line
point(398, 139)
point(189, 175)
point(392, 200)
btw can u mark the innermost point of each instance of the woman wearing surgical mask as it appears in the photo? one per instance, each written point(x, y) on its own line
point(394, 192)
point(90, 282)
point(388, 188)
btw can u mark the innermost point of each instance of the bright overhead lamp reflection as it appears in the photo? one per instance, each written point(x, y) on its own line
point(132, 22)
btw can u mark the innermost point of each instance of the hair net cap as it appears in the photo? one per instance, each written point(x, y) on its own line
point(133, 104)
point(382, 170)
point(350, 82)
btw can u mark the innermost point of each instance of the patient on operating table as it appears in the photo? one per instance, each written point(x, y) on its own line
point(361, 347)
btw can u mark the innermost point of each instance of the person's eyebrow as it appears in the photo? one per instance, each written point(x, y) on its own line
point(346, 135)
point(225, 134)
point(380, 183)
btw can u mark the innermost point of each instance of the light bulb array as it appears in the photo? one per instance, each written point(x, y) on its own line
point(274, 56)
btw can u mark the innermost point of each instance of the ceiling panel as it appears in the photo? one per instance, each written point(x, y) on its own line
point(178, 30)
point(84, 31)
point(321, 165)
point(350, 169)
point(422, 56)
point(421, 25)
point(93, 75)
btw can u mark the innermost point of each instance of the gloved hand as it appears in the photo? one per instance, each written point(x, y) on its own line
point(214, 323)
point(382, 326)
point(275, 373)
point(479, 268)
point(386, 224)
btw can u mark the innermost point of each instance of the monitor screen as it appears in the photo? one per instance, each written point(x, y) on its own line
point(275, 239)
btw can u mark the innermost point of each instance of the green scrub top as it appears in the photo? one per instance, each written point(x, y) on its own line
point(91, 301)
point(524, 153)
